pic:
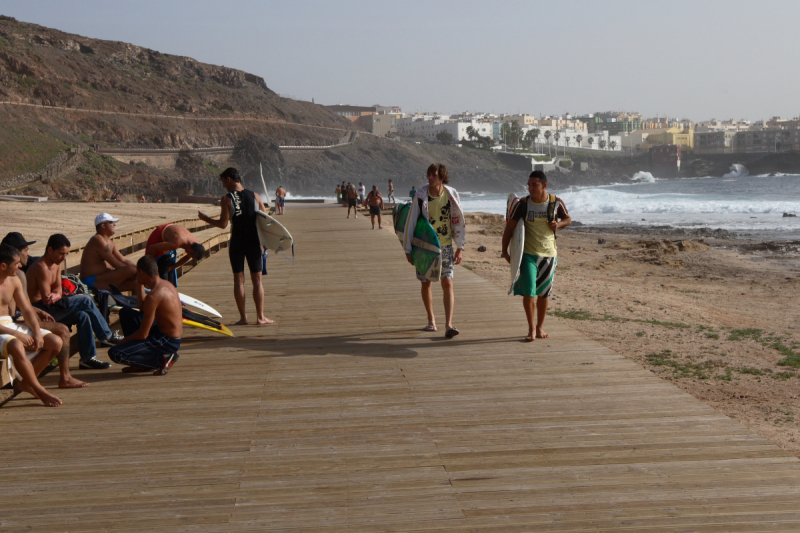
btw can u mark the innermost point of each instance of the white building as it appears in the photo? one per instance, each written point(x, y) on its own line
point(433, 126)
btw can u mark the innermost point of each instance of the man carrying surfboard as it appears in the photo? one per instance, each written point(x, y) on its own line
point(543, 214)
point(152, 335)
point(440, 204)
point(239, 208)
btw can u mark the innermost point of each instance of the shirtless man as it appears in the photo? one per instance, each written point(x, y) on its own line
point(45, 292)
point(390, 194)
point(375, 202)
point(352, 201)
point(280, 199)
point(18, 242)
point(17, 341)
point(165, 240)
point(152, 335)
point(102, 264)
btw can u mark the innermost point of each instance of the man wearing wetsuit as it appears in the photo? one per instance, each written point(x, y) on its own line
point(239, 207)
point(163, 244)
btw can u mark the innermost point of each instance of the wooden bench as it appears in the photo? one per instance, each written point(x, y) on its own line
point(130, 244)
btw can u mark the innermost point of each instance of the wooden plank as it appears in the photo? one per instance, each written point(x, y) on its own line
point(345, 416)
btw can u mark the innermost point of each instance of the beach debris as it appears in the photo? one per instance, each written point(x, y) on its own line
point(481, 248)
point(601, 241)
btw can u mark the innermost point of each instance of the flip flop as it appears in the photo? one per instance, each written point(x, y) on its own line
point(452, 332)
point(429, 328)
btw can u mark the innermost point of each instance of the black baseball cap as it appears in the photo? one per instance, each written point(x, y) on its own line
point(16, 240)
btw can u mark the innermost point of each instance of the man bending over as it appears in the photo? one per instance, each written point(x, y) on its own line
point(66, 381)
point(163, 244)
point(152, 335)
point(30, 348)
point(45, 292)
point(102, 264)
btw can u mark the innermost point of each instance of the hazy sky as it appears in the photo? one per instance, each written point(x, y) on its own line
point(695, 59)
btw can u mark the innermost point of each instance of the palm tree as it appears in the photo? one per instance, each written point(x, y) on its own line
point(529, 138)
point(556, 137)
point(612, 144)
point(579, 139)
point(547, 138)
point(602, 144)
point(470, 132)
point(536, 132)
point(591, 142)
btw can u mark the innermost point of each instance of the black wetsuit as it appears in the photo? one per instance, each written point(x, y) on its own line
point(244, 242)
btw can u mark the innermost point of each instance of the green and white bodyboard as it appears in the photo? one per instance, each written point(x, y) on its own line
point(426, 253)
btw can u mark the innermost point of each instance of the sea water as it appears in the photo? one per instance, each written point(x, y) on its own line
point(752, 206)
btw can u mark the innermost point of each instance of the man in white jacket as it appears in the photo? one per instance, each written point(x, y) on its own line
point(440, 204)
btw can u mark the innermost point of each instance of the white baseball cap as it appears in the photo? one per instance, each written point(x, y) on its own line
point(104, 217)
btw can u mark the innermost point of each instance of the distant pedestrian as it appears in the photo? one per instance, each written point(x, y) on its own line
point(280, 199)
point(375, 202)
point(362, 192)
point(440, 204)
point(542, 214)
point(344, 193)
point(352, 200)
point(338, 194)
point(390, 194)
point(413, 191)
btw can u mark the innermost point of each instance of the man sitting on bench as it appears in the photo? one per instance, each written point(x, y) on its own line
point(30, 348)
point(66, 381)
point(152, 335)
point(165, 240)
point(102, 264)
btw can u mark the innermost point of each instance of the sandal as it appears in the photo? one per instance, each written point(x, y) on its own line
point(429, 328)
point(452, 332)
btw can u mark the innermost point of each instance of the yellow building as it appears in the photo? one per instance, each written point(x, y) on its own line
point(672, 136)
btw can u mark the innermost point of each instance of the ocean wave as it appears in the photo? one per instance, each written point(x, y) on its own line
point(642, 176)
point(604, 201)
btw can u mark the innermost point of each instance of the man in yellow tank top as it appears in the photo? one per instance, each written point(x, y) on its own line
point(543, 214)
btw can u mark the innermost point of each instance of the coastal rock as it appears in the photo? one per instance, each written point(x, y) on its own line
point(481, 248)
point(789, 215)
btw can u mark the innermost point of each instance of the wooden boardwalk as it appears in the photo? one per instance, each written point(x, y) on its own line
point(347, 417)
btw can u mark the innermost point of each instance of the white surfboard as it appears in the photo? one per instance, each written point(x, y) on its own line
point(272, 234)
point(517, 244)
point(197, 304)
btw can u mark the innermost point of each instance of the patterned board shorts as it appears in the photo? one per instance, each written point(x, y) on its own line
point(536, 276)
point(448, 263)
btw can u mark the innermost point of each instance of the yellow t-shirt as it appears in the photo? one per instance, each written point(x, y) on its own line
point(439, 217)
point(539, 238)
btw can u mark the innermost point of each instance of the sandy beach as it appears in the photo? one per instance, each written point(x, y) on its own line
point(716, 316)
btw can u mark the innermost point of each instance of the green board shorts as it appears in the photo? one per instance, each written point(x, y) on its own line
point(536, 275)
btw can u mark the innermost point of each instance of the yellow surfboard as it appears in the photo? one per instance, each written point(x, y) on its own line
point(222, 330)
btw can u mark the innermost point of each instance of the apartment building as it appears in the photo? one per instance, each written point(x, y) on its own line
point(768, 140)
point(714, 142)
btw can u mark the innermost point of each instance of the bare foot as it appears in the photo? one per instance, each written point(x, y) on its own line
point(540, 334)
point(380, 227)
point(264, 321)
point(530, 337)
point(241, 322)
point(41, 394)
point(71, 383)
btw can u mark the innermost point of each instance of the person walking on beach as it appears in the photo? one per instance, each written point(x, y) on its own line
point(543, 214)
point(102, 264)
point(375, 202)
point(344, 193)
point(352, 201)
point(338, 194)
point(390, 194)
point(46, 293)
point(152, 335)
point(280, 199)
point(239, 207)
point(440, 204)
point(362, 192)
point(413, 191)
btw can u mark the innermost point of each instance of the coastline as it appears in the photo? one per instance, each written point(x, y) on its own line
point(714, 314)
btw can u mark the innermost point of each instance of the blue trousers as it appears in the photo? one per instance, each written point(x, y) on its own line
point(148, 353)
point(82, 312)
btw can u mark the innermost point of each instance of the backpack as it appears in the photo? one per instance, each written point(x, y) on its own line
point(552, 204)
